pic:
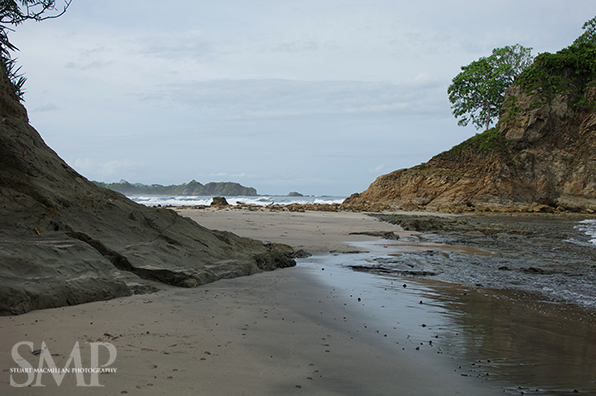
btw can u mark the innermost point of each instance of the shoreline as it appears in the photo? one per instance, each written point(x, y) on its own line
point(378, 207)
point(271, 333)
point(316, 232)
point(317, 328)
point(543, 329)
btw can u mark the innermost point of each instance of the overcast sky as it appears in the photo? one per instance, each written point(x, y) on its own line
point(319, 97)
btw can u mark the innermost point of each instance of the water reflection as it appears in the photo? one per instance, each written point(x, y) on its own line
point(545, 347)
point(518, 340)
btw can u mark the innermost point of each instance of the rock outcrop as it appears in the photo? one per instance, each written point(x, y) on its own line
point(219, 201)
point(541, 155)
point(66, 241)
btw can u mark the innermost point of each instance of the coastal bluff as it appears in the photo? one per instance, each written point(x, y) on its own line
point(541, 156)
point(66, 241)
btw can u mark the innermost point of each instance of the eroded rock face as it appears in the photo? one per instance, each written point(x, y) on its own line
point(65, 241)
point(548, 158)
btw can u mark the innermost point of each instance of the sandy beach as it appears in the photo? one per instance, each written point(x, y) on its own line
point(314, 232)
point(268, 334)
point(319, 328)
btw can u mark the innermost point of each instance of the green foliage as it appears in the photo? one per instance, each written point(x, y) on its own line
point(16, 78)
point(477, 93)
point(571, 69)
point(589, 35)
point(488, 143)
point(512, 108)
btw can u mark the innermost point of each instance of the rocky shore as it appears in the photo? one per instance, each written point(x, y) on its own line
point(550, 255)
point(376, 207)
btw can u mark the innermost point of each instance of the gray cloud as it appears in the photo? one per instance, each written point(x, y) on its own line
point(237, 99)
point(85, 65)
point(172, 47)
point(312, 96)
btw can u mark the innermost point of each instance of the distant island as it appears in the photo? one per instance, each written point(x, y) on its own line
point(191, 188)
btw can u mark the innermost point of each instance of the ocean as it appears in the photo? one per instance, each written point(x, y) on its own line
point(260, 200)
point(556, 259)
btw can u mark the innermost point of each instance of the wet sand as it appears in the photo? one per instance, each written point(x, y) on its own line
point(520, 341)
point(317, 329)
point(273, 333)
point(281, 332)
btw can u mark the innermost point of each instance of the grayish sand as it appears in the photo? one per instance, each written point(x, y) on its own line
point(269, 334)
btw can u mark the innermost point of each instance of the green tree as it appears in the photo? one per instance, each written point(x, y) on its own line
point(477, 93)
point(13, 13)
point(589, 35)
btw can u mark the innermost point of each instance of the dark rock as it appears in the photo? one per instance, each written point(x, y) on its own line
point(381, 234)
point(301, 254)
point(219, 201)
point(67, 241)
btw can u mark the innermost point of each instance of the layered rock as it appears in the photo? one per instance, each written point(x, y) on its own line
point(65, 241)
point(541, 155)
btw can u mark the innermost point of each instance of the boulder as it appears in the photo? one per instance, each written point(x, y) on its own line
point(219, 201)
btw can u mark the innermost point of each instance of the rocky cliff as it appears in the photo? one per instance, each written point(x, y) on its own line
point(540, 156)
point(65, 241)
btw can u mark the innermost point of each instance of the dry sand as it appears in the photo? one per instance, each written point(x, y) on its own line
point(315, 232)
point(275, 333)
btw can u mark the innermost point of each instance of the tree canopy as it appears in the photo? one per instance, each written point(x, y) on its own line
point(477, 93)
point(589, 35)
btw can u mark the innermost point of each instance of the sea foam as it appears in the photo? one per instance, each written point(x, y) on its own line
point(261, 200)
point(589, 228)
